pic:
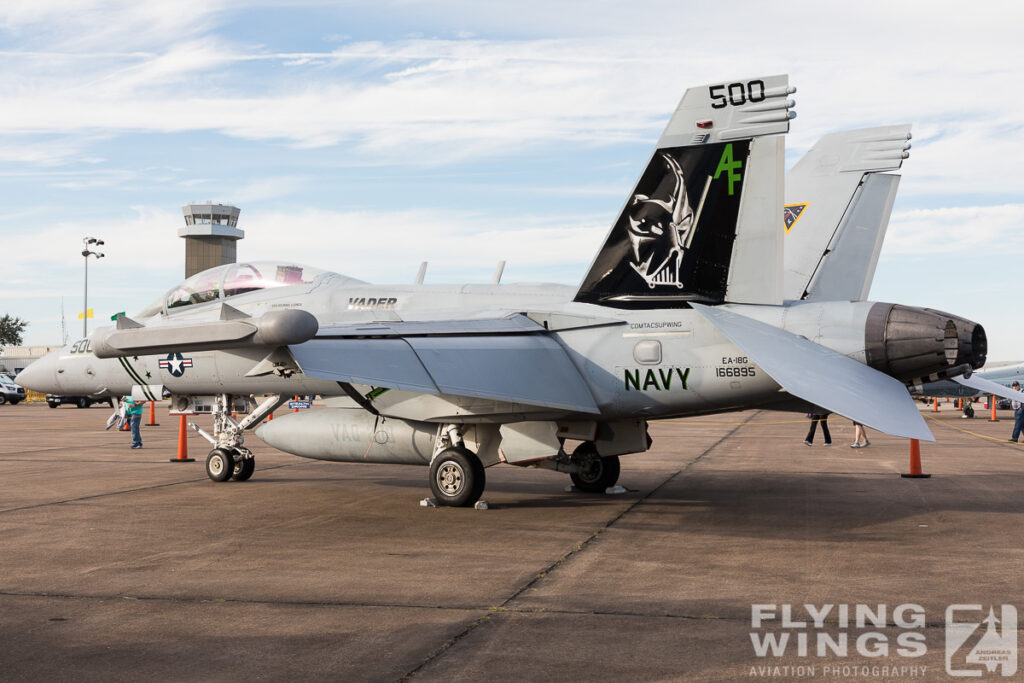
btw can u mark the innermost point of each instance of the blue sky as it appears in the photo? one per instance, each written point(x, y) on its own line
point(364, 138)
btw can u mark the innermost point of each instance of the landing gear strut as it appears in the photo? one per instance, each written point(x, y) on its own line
point(229, 459)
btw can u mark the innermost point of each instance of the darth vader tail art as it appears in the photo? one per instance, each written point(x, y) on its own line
point(707, 203)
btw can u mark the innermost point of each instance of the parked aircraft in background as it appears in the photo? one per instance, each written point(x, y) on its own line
point(682, 312)
point(994, 378)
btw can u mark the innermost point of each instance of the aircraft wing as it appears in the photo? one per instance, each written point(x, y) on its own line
point(987, 386)
point(822, 376)
point(510, 359)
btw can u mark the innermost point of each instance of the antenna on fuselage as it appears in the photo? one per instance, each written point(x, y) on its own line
point(497, 273)
point(422, 274)
point(63, 325)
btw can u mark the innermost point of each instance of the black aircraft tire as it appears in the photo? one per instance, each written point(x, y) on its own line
point(457, 478)
point(244, 469)
point(219, 465)
point(83, 403)
point(597, 473)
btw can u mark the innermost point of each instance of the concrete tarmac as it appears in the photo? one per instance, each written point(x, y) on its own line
point(116, 564)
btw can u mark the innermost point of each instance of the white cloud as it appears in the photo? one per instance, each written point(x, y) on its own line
point(431, 101)
point(85, 25)
point(956, 230)
point(81, 76)
point(387, 246)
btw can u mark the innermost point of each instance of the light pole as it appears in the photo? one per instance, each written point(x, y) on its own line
point(85, 306)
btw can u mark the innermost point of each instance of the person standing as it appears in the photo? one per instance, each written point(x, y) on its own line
point(133, 411)
point(815, 419)
point(860, 437)
point(1018, 414)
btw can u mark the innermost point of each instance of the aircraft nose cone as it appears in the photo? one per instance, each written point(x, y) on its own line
point(41, 375)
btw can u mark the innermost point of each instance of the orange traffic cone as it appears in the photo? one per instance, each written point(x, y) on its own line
point(182, 443)
point(152, 415)
point(915, 462)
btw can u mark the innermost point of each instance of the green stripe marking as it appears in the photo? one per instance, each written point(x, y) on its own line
point(133, 373)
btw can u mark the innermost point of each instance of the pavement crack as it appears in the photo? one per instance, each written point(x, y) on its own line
point(579, 548)
point(614, 520)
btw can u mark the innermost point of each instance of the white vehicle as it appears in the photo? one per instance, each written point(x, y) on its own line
point(10, 391)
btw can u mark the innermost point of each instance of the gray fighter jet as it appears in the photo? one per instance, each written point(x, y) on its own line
point(995, 378)
point(683, 312)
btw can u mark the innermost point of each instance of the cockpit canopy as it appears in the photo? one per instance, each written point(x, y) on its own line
point(233, 279)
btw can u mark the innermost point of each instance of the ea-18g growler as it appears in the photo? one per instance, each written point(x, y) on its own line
point(682, 312)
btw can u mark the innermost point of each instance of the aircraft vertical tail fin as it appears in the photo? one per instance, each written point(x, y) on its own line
point(701, 223)
point(838, 202)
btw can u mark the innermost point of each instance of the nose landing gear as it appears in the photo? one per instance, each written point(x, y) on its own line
point(229, 459)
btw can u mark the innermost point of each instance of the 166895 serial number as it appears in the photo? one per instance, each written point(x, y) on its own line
point(735, 372)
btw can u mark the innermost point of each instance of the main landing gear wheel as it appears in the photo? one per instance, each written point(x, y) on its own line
point(219, 464)
point(457, 477)
point(596, 473)
point(244, 469)
point(82, 403)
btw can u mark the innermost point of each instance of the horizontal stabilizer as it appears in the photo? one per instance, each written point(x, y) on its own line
point(987, 386)
point(822, 376)
point(528, 369)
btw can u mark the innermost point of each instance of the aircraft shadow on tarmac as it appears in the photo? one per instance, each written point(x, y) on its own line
point(758, 505)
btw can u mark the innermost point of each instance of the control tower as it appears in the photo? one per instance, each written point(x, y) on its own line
point(211, 234)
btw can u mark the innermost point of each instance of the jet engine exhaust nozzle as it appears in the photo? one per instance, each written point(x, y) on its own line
point(911, 343)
